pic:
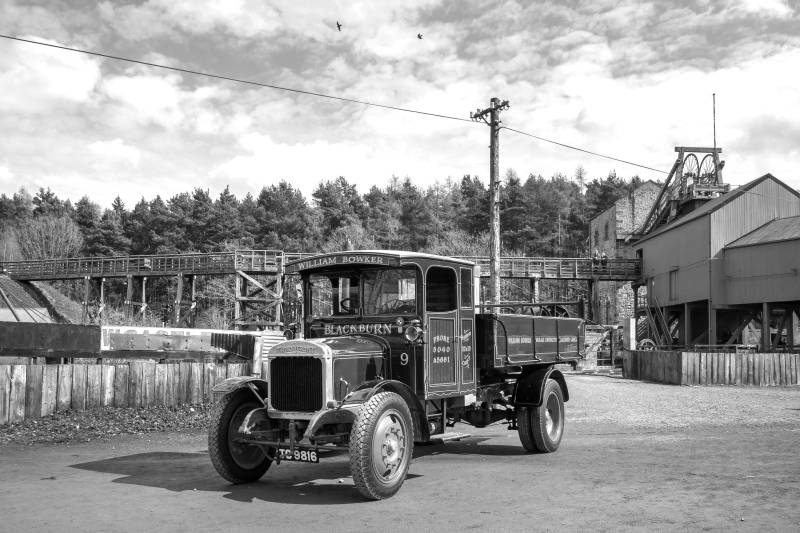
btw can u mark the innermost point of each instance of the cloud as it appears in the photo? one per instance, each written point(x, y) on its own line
point(765, 8)
point(6, 176)
point(145, 98)
point(40, 80)
point(115, 151)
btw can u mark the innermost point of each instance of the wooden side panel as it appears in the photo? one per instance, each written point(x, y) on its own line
point(185, 395)
point(79, 376)
point(49, 389)
point(161, 385)
point(702, 363)
point(173, 375)
point(94, 386)
point(17, 397)
point(34, 377)
point(122, 373)
point(5, 393)
point(64, 394)
point(135, 384)
point(109, 373)
point(208, 381)
point(196, 383)
point(149, 388)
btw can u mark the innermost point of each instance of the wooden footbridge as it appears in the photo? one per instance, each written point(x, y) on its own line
point(259, 277)
point(272, 262)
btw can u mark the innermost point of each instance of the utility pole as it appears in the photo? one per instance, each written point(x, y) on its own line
point(493, 111)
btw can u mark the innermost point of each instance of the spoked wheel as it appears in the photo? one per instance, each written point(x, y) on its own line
point(646, 344)
point(707, 169)
point(233, 460)
point(691, 168)
point(381, 445)
point(541, 428)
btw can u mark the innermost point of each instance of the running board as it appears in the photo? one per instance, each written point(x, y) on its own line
point(445, 437)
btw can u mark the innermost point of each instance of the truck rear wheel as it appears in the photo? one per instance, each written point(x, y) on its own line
point(234, 461)
point(540, 428)
point(381, 445)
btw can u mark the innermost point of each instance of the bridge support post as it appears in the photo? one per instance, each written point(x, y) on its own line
point(102, 306)
point(129, 299)
point(178, 299)
point(594, 300)
point(534, 286)
point(87, 287)
point(193, 305)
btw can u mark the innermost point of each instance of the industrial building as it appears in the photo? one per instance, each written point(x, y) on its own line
point(726, 271)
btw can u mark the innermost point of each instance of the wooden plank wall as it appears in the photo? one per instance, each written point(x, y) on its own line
point(713, 368)
point(33, 391)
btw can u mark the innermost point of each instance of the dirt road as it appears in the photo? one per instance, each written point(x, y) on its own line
point(634, 457)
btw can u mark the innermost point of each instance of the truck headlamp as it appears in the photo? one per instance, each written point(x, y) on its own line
point(412, 333)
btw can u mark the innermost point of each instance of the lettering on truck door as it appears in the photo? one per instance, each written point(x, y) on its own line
point(442, 351)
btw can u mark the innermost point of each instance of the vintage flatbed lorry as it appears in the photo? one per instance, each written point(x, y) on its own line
point(393, 352)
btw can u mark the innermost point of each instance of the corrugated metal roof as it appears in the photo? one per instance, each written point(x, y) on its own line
point(780, 229)
point(716, 203)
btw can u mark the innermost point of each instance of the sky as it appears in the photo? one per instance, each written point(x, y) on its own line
point(630, 79)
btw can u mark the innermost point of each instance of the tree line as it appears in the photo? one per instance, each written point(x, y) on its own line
point(539, 217)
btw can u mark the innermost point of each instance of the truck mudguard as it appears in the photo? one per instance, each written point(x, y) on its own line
point(231, 384)
point(370, 388)
point(529, 388)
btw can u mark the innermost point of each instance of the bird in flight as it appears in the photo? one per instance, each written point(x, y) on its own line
point(339, 26)
point(419, 36)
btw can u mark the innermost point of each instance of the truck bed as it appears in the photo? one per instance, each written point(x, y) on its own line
point(515, 339)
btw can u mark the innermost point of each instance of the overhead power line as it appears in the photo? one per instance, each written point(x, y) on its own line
point(312, 93)
point(237, 80)
point(584, 151)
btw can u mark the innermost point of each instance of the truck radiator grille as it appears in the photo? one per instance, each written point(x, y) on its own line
point(296, 383)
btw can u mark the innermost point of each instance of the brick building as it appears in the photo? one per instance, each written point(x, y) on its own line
point(609, 233)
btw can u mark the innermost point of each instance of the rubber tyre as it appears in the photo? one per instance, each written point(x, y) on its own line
point(381, 446)
point(238, 463)
point(541, 428)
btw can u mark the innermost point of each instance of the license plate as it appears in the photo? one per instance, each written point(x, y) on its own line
point(303, 456)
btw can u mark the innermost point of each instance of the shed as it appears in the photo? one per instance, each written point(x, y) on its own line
point(707, 273)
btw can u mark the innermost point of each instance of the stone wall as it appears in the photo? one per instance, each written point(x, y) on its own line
point(608, 232)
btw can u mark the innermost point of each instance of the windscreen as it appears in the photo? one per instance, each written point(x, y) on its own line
point(380, 291)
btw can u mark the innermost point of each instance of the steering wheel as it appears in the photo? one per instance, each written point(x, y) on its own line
point(396, 305)
point(344, 305)
point(389, 306)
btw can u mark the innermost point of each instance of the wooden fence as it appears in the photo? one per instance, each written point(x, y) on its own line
point(33, 391)
point(715, 368)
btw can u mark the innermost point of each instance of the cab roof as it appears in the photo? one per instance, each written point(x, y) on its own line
point(368, 258)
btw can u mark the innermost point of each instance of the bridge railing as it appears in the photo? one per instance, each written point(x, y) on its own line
point(160, 264)
point(271, 261)
point(561, 268)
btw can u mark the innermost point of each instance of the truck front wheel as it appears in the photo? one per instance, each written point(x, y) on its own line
point(540, 428)
point(235, 461)
point(381, 445)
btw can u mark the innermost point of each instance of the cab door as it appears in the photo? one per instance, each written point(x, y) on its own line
point(443, 347)
point(466, 320)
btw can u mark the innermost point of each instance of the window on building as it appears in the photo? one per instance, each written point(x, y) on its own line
point(605, 231)
point(596, 237)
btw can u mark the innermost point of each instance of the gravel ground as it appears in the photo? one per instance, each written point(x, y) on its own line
point(624, 402)
point(638, 404)
point(105, 424)
point(635, 457)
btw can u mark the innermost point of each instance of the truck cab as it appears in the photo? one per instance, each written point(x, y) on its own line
point(417, 310)
point(392, 352)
